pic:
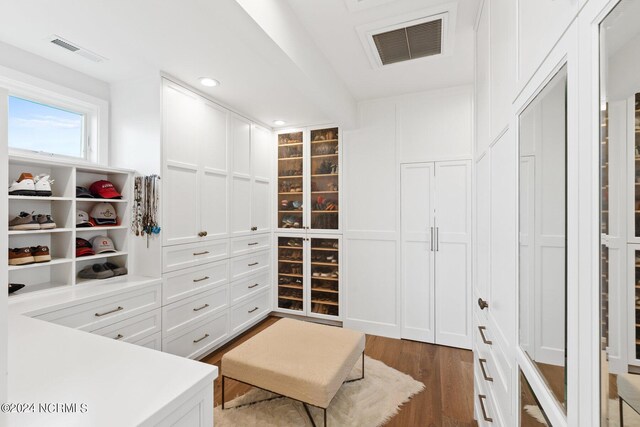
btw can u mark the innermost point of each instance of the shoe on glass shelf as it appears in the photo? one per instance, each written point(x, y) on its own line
point(20, 256)
point(46, 222)
point(41, 253)
point(43, 185)
point(24, 221)
point(24, 186)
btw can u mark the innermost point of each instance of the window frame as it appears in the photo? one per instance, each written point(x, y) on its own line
point(71, 107)
point(95, 111)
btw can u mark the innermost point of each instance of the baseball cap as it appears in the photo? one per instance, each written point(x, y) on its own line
point(82, 219)
point(104, 190)
point(102, 244)
point(104, 214)
point(82, 192)
point(83, 247)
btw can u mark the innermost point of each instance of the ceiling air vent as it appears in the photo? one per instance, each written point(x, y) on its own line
point(416, 41)
point(71, 47)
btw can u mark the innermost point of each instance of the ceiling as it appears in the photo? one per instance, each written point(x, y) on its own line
point(333, 25)
point(312, 73)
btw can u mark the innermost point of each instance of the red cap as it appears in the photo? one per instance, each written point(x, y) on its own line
point(83, 247)
point(104, 190)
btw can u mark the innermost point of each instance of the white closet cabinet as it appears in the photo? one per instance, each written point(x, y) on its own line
point(195, 167)
point(436, 252)
point(250, 182)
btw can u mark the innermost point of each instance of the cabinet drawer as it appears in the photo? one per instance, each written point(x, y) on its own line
point(103, 312)
point(153, 342)
point(183, 313)
point(198, 339)
point(191, 255)
point(247, 245)
point(133, 329)
point(246, 312)
point(185, 283)
point(249, 264)
point(245, 288)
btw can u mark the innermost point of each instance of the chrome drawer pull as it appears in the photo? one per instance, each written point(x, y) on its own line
point(484, 339)
point(200, 253)
point(251, 311)
point(482, 397)
point(484, 372)
point(201, 308)
point(253, 286)
point(119, 337)
point(252, 244)
point(109, 312)
point(252, 264)
point(200, 339)
point(200, 280)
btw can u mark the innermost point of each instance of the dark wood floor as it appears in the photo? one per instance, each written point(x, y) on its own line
point(447, 373)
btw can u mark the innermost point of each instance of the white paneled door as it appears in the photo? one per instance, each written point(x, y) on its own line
point(417, 223)
point(436, 252)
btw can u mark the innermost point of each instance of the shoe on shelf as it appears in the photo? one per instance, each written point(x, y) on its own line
point(41, 253)
point(117, 270)
point(46, 222)
point(14, 287)
point(21, 256)
point(24, 221)
point(43, 185)
point(24, 186)
point(96, 271)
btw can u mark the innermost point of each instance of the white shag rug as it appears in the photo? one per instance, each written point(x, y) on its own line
point(369, 402)
point(631, 418)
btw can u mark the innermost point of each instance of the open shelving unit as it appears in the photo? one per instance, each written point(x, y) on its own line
point(62, 270)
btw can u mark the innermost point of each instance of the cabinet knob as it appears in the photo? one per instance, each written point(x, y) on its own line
point(202, 233)
point(482, 304)
point(254, 228)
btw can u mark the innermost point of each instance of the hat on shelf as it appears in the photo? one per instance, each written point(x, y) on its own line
point(102, 244)
point(83, 193)
point(83, 248)
point(82, 219)
point(104, 214)
point(104, 190)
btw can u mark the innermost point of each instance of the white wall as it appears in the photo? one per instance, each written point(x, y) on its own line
point(136, 144)
point(419, 127)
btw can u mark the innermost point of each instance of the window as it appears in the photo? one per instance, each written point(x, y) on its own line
point(48, 129)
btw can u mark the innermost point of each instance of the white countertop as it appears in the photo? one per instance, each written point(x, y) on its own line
point(121, 384)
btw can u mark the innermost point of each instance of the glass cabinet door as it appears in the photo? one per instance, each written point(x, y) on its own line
point(290, 180)
point(290, 273)
point(324, 179)
point(325, 279)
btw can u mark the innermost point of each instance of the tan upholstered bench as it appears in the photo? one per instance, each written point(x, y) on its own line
point(303, 361)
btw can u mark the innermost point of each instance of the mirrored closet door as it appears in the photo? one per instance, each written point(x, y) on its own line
point(542, 233)
point(620, 215)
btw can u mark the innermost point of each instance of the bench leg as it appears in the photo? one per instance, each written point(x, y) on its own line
point(223, 392)
point(621, 412)
point(361, 377)
point(313, 423)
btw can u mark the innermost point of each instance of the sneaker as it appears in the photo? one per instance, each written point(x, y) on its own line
point(24, 221)
point(43, 185)
point(24, 186)
point(46, 222)
point(21, 256)
point(96, 271)
point(41, 253)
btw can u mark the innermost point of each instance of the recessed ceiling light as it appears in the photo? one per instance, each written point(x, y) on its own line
point(279, 122)
point(209, 82)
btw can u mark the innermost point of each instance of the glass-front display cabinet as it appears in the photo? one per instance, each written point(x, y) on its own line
point(309, 180)
point(291, 273)
point(325, 276)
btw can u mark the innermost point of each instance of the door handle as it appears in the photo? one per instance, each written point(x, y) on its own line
point(431, 239)
point(253, 286)
point(200, 339)
point(251, 311)
point(200, 253)
point(201, 308)
point(109, 312)
point(252, 264)
point(201, 279)
point(252, 244)
point(482, 304)
point(484, 372)
point(484, 338)
point(437, 239)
